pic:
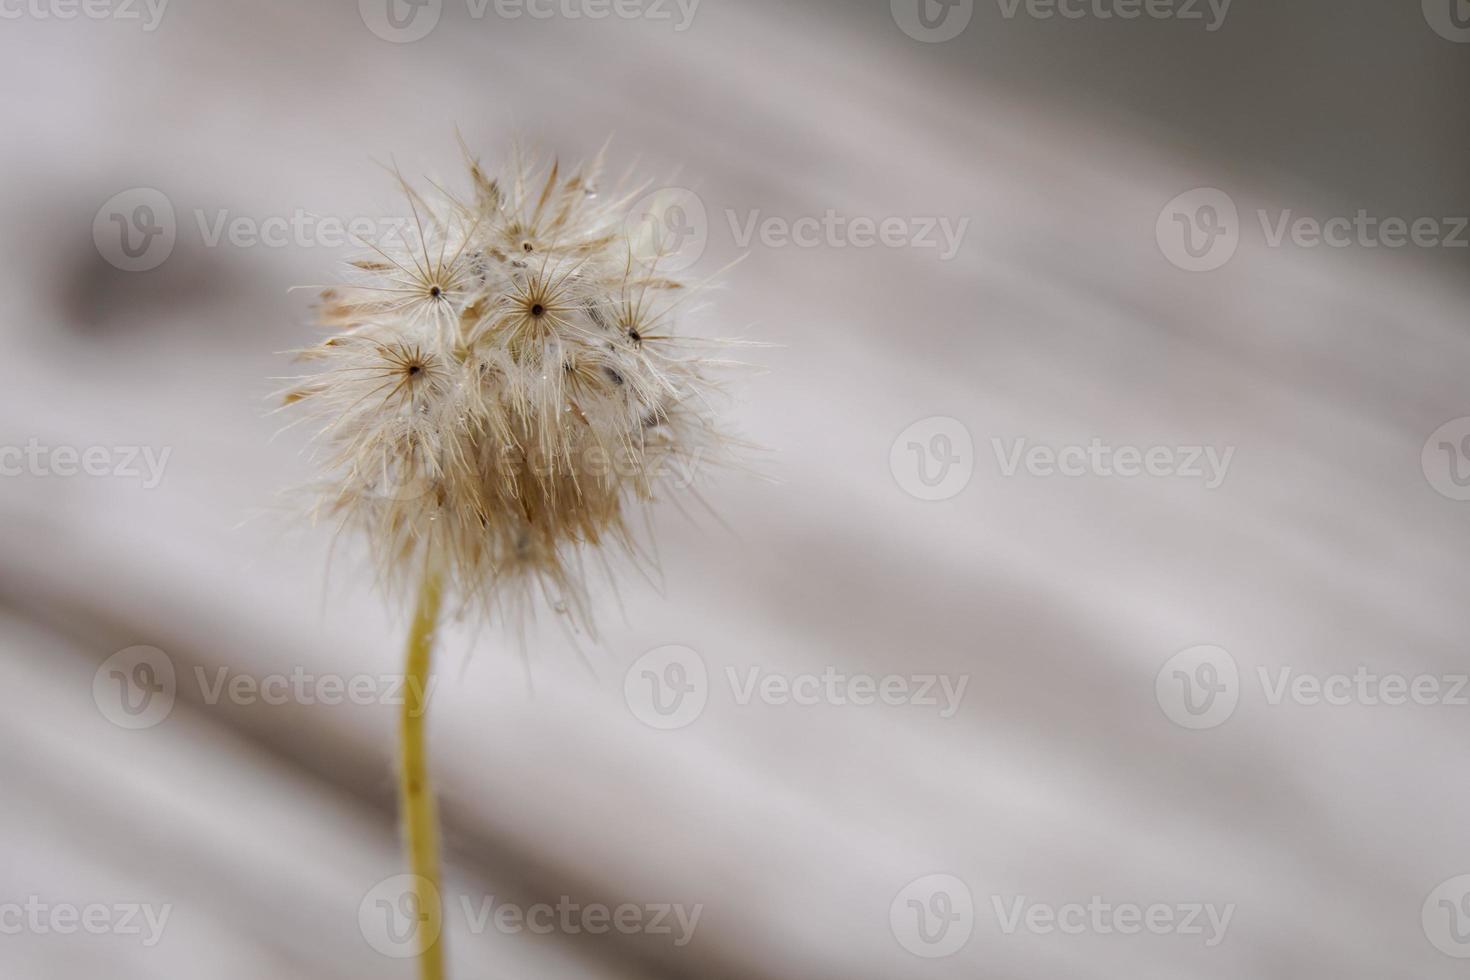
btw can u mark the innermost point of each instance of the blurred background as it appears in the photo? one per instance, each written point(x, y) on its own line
point(1204, 720)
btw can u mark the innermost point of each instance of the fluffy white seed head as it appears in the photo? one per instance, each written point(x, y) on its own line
point(502, 387)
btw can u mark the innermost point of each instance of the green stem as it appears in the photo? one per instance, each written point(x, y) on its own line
point(416, 796)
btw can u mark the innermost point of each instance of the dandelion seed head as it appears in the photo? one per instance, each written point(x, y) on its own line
point(502, 389)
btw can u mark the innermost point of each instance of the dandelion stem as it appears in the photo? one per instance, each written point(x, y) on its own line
point(416, 797)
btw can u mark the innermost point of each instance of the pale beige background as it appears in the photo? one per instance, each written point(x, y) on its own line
point(1060, 599)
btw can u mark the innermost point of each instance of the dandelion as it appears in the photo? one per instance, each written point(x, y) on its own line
point(501, 392)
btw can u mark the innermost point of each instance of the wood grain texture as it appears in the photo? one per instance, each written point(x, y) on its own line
point(793, 828)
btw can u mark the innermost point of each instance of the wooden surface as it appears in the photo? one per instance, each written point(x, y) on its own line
point(795, 828)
